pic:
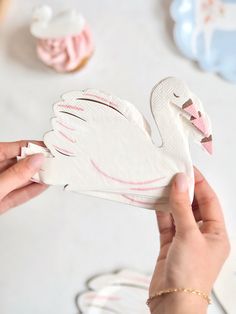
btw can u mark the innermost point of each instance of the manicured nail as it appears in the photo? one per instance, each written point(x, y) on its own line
point(181, 182)
point(35, 161)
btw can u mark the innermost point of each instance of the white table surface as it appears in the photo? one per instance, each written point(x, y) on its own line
point(51, 245)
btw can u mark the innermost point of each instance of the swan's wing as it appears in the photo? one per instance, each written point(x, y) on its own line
point(135, 276)
point(101, 142)
point(143, 201)
point(149, 197)
point(114, 300)
point(122, 292)
point(122, 277)
point(100, 145)
point(94, 303)
point(126, 108)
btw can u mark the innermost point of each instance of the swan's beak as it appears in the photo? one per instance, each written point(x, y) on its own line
point(207, 144)
point(200, 123)
point(190, 108)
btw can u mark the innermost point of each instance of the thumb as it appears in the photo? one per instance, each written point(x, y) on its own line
point(19, 174)
point(180, 204)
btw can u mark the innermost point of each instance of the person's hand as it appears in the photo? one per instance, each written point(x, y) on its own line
point(15, 185)
point(193, 247)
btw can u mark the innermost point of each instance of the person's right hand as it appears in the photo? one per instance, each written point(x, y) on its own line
point(15, 185)
point(193, 247)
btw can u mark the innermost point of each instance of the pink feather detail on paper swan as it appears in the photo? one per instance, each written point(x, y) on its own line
point(140, 202)
point(109, 102)
point(65, 126)
point(72, 107)
point(149, 189)
point(64, 150)
point(124, 181)
point(67, 137)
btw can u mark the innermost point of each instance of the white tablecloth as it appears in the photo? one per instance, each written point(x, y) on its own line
point(51, 245)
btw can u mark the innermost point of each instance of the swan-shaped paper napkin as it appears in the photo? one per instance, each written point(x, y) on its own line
point(125, 291)
point(101, 145)
point(122, 292)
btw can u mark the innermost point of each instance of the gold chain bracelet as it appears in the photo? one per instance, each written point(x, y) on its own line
point(171, 290)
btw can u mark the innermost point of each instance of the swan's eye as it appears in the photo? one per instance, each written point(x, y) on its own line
point(176, 95)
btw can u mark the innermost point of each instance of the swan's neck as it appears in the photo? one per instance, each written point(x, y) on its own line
point(175, 141)
point(174, 137)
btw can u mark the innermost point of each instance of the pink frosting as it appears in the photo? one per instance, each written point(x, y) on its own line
point(65, 54)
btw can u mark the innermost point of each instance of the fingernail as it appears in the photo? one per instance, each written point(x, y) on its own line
point(35, 161)
point(181, 182)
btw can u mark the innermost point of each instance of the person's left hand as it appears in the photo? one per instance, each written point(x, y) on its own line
point(15, 185)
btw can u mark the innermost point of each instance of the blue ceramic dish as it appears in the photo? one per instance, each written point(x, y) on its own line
point(205, 31)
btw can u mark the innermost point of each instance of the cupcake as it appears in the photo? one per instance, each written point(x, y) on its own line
point(64, 41)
